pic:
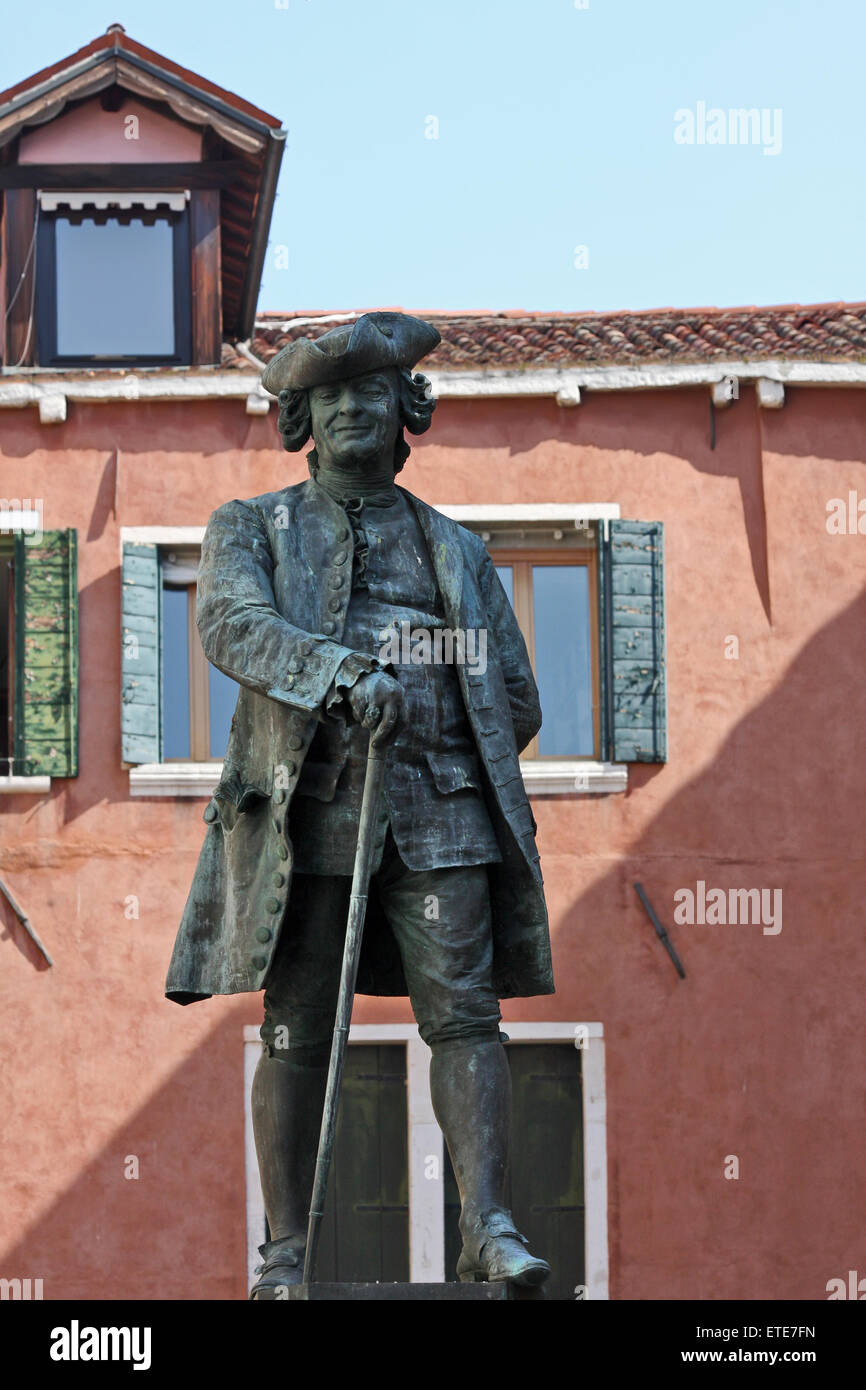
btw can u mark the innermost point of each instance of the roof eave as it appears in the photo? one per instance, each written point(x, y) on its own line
point(261, 228)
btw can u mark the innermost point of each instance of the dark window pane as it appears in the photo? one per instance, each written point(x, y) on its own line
point(223, 698)
point(545, 1183)
point(175, 673)
point(506, 575)
point(115, 289)
point(563, 659)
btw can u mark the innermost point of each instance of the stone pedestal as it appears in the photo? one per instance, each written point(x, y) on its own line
point(351, 1293)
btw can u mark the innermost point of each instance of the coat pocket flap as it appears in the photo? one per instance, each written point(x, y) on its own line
point(454, 771)
point(319, 780)
point(241, 791)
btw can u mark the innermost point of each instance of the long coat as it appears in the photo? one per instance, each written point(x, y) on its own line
point(268, 619)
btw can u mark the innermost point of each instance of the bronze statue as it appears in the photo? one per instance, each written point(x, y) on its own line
point(301, 595)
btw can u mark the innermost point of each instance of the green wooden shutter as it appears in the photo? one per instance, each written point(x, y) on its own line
point(634, 696)
point(141, 659)
point(46, 655)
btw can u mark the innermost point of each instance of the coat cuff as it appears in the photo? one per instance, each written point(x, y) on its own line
point(348, 672)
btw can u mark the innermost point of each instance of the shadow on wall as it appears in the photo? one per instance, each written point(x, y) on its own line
point(177, 1230)
point(758, 1053)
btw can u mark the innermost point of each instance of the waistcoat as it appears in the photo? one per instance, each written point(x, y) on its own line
point(433, 797)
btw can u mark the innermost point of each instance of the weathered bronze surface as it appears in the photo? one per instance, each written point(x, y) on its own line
point(341, 604)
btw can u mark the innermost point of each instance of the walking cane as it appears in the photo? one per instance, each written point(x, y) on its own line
point(373, 780)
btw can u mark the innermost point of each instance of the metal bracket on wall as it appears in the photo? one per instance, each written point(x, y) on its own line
point(24, 920)
point(660, 931)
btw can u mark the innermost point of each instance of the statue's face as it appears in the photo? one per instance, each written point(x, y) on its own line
point(356, 420)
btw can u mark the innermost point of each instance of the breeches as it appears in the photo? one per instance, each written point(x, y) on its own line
point(441, 921)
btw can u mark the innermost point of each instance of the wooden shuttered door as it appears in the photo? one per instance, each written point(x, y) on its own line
point(365, 1229)
point(545, 1185)
point(141, 680)
point(46, 655)
point(632, 604)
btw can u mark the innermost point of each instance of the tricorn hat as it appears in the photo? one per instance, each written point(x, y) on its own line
point(373, 341)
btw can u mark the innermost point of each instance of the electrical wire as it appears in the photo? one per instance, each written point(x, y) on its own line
point(21, 280)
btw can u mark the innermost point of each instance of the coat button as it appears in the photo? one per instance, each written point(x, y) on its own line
point(329, 627)
point(334, 605)
point(341, 557)
point(295, 743)
point(278, 880)
point(210, 813)
point(305, 648)
point(280, 795)
point(282, 852)
point(343, 534)
point(295, 665)
point(278, 825)
point(336, 581)
point(291, 769)
point(259, 962)
point(290, 680)
point(272, 905)
point(263, 934)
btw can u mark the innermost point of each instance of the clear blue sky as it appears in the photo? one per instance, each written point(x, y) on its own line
point(555, 130)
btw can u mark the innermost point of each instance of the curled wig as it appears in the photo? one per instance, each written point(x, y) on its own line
point(416, 405)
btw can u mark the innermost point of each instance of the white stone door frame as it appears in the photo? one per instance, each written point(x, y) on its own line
point(426, 1185)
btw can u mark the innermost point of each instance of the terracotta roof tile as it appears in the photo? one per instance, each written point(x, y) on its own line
point(518, 339)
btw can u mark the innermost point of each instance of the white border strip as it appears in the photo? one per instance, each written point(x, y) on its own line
point(38, 785)
point(17, 519)
point(478, 513)
point(426, 1195)
point(29, 385)
point(541, 777)
point(567, 381)
point(77, 202)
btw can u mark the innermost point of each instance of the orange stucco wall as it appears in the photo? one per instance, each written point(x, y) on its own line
point(757, 1053)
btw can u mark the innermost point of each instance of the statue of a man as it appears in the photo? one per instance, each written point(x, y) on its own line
point(306, 598)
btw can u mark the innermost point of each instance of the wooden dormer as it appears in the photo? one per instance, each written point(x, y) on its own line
point(137, 198)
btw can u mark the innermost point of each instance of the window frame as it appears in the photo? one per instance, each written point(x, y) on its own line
point(198, 669)
point(542, 776)
point(522, 562)
point(46, 296)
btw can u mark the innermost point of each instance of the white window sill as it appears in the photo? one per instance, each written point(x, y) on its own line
point(174, 779)
point(573, 776)
point(31, 786)
point(567, 776)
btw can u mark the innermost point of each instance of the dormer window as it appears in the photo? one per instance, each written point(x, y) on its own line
point(135, 202)
point(113, 282)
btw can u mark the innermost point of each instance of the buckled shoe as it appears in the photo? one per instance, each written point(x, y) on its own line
point(494, 1250)
point(283, 1265)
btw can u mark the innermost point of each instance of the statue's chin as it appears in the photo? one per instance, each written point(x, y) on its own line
point(357, 458)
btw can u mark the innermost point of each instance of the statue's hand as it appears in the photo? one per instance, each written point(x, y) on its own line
point(375, 702)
